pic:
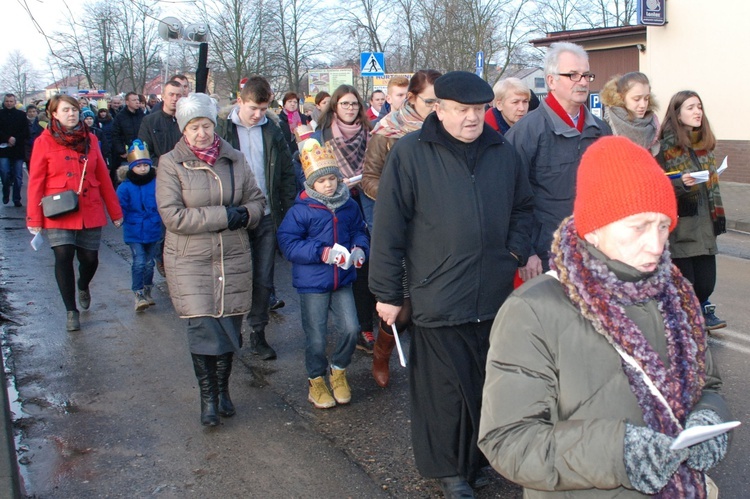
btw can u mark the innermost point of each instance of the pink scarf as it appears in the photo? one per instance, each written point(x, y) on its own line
point(294, 119)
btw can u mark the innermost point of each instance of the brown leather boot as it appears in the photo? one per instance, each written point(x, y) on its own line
point(381, 356)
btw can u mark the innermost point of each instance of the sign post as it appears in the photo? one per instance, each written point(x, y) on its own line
point(480, 63)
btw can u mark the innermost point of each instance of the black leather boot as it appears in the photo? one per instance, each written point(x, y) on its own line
point(205, 372)
point(259, 347)
point(223, 370)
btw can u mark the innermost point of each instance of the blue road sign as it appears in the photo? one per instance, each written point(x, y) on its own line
point(372, 64)
point(651, 12)
point(480, 59)
point(595, 105)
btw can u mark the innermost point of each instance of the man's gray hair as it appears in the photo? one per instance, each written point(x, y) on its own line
point(552, 60)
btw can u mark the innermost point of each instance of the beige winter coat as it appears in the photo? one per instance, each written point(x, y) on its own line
point(209, 268)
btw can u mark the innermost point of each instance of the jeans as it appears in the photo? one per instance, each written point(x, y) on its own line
point(368, 211)
point(143, 264)
point(263, 249)
point(11, 173)
point(315, 308)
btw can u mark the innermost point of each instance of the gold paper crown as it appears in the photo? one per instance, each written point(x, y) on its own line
point(315, 158)
point(138, 153)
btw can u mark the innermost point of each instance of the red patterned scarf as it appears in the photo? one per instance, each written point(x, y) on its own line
point(557, 108)
point(210, 154)
point(76, 138)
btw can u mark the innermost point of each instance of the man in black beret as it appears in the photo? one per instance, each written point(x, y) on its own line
point(455, 203)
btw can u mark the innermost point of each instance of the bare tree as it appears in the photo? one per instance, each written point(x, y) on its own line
point(137, 45)
point(297, 39)
point(17, 76)
point(558, 15)
point(607, 13)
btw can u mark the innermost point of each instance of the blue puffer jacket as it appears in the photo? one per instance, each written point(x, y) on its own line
point(308, 228)
point(142, 221)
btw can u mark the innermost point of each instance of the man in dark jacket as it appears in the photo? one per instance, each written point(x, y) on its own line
point(159, 130)
point(249, 130)
point(461, 225)
point(551, 140)
point(35, 130)
point(14, 130)
point(125, 128)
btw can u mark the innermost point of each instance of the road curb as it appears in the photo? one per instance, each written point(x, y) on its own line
point(9, 476)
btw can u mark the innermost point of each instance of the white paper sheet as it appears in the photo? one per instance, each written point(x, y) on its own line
point(37, 241)
point(723, 166)
point(698, 434)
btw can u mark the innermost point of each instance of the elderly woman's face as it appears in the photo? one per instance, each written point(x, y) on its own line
point(199, 132)
point(637, 240)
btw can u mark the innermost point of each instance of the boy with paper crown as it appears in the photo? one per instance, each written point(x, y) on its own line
point(325, 238)
point(142, 225)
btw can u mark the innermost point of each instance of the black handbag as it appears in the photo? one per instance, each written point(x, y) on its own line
point(62, 203)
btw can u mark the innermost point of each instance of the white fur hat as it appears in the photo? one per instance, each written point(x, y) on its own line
point(195, 106)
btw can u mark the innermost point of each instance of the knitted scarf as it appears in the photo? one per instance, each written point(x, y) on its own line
point(209, 154)
point(398, 123)
point(76, 138)
point(695, 158)
point(601, 297)
point(349, 144)
point(642, 131)
point(141, 179)
point(331, 202)
point(563, 114)
point(294, 120)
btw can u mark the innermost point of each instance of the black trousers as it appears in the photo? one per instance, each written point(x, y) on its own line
point(701, 272)
point(447, 370)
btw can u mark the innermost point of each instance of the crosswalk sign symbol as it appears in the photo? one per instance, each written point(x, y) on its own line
point(372, 64)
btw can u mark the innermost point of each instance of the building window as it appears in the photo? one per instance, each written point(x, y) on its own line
point(538, 82)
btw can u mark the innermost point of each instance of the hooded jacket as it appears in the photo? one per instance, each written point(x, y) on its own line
point(209, 269)
point(142, 222)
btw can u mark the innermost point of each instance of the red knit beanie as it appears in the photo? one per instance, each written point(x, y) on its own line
point(617, 179)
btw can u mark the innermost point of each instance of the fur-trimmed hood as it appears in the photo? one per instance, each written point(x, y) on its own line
point(122, 172)
point(610, 97)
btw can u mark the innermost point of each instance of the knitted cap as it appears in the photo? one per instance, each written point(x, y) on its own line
point(617, 179)
point(138, 154)
point(87, 113)
point(195, 106)
point(317, 161)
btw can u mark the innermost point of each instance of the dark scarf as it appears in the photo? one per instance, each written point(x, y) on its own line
point(398, 123)
point(334, 202)
point(563, 114)
point(693, 159)
point(210, 154)
point(349, 147)
point(502, 125)
point(77, 138)
point(601, 298)
point(141, 179)
point(642, 131)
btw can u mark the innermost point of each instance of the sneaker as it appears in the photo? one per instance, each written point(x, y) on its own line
point(141, 303)
point(84, 298)
point(160, 268)
point(341, 391)
point(712, 322)
point(276, 304)
point(147, 295)
point(319, 394)
point(365, 341)
point(73, 323)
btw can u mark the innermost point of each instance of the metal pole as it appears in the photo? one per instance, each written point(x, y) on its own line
point(201, 74)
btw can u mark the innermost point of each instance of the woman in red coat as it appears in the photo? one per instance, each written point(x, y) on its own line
point(61, 153)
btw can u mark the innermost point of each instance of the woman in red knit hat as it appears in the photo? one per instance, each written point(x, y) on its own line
point(595, 369)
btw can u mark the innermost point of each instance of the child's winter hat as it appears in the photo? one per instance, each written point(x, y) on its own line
point(617, 179)
point(317, 161)
point(138, 154)
point(87, 113)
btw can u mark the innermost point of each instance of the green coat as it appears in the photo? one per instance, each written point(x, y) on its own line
point(556, 399)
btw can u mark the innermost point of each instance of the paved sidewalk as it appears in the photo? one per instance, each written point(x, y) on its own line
point(736, 199)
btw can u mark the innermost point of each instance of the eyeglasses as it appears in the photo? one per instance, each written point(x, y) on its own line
point(575, 77)
point(428, 102)
point(349, 105)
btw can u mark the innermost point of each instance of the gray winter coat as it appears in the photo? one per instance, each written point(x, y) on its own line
point(209, 269)
point(551, 150)
point(556, 399)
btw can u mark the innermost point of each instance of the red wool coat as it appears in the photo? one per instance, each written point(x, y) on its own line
point(54, 169)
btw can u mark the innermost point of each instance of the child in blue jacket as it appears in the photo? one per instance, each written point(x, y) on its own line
point(142, 225)
point(325, 238)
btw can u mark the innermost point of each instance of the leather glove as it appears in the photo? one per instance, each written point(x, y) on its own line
point(237, 217)
point(706, 455)
point(334, 256)
point(358, 257)
point(648, 461)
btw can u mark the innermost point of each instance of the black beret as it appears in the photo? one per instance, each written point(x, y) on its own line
point(463, 87)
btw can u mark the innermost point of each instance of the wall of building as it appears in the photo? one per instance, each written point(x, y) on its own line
point(703, 48)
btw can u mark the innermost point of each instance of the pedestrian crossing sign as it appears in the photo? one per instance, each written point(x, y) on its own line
point(372, 64)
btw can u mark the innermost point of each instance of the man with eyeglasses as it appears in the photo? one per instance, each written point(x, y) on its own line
point(455, 203)
point(250, 131)
point(550, 142)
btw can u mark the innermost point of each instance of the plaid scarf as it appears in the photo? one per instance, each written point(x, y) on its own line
point(349, 144)
point(696, 158)
point(208, 155)
point(398, 123)
point(601, 298)
point(77, 138)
